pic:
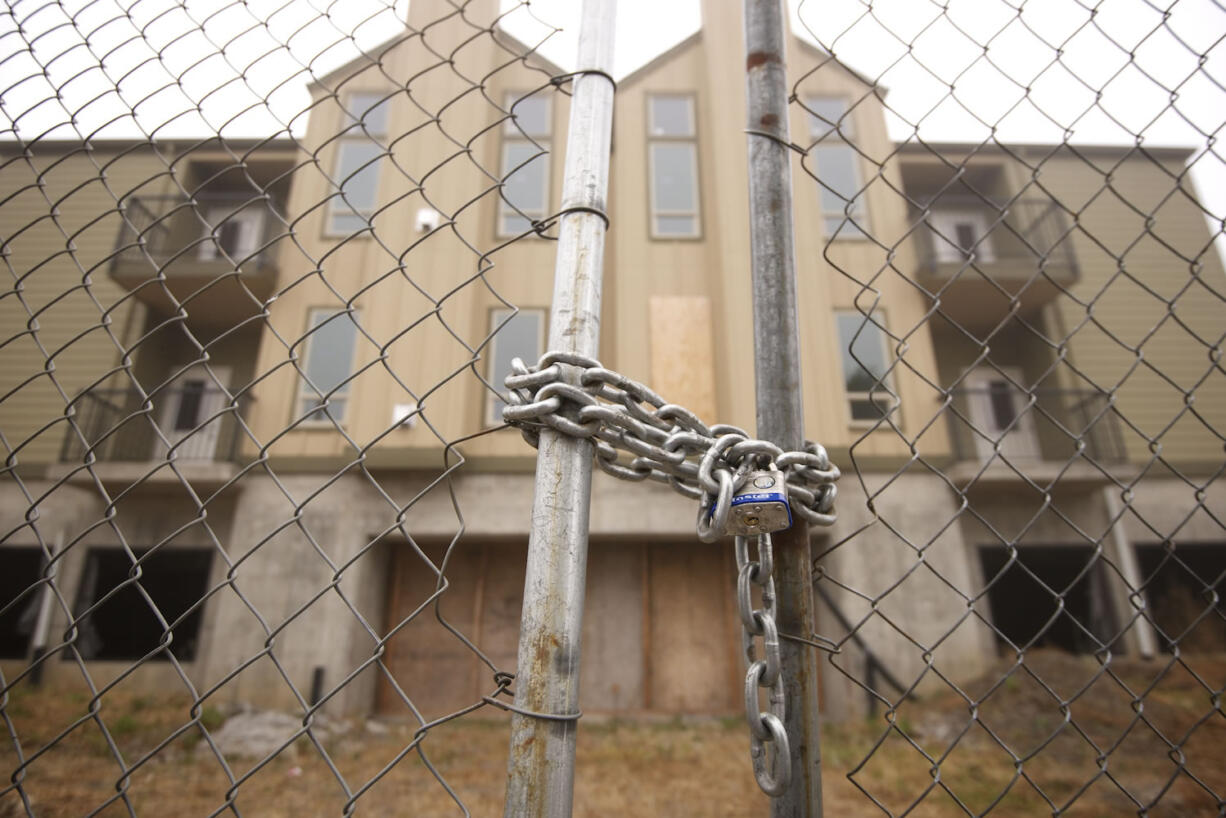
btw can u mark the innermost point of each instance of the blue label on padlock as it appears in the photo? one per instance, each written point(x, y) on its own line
point(760, 497)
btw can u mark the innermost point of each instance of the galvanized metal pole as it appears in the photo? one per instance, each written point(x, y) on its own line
point(780, 411)
point(541, 766)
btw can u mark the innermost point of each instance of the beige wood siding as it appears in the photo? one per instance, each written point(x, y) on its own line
point(424, 301)
point(68, 320)
point(1139, 322)
point(409, 302)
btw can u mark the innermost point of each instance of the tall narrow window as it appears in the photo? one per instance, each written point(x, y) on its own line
point(523, 336)
point(327, 364)
point(862, 347)
point(672, 154)
point(838, 169)
point(525, 164)
point(356, 168)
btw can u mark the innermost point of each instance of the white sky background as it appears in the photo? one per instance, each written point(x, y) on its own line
point(139, 68)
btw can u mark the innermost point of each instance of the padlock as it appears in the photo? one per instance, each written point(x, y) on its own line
point(760, 505)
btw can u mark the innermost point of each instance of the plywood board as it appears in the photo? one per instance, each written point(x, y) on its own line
point(690, 632)
point(682, 360)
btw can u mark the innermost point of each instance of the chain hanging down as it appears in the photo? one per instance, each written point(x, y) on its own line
point(763, 673)
point(579, 397)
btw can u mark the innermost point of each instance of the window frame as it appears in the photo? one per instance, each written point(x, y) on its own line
point(88, 597)
point(689, 139)
point(840, 135)
point(513, 134)
point(356, 132)
point(305, 391)
point(889, 387)
point(495, 317)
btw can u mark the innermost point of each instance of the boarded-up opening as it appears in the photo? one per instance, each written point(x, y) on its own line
point(658, 628)
point(1183, 586)
point(1050, 596)
point(433, 667)
point(693, 662)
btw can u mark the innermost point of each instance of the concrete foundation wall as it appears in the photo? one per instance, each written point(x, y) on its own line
point(311, 571)
point(660, 620)
point(900, 578)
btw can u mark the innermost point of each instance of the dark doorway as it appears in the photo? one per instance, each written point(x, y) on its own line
point(1025, 597)
point(124, 626)
point(20, 568)
point(1182, 586)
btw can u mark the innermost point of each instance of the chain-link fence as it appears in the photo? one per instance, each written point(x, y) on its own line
point(1042, 627)
point(266, 538)
point(238, 371)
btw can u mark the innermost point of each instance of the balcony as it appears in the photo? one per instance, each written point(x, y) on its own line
point(1002, 433)
point(986, 260)
point(198, 426)
point(210, 251)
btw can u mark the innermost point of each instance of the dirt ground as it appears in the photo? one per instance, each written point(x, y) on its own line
point(1057, 735)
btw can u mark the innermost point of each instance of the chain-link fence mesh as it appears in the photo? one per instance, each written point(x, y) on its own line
point(268, 266)
point(213, 344)
point(1038, 321)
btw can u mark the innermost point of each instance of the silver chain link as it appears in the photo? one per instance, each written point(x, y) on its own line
point(671, 445)
point(577, 396)
point(764, 728)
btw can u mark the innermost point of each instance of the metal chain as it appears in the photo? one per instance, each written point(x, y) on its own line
point(670, 443)
point(767, 727)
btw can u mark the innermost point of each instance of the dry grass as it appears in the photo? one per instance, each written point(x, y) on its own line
point(679, 767)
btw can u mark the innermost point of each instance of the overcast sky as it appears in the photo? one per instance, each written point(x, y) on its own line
point(1106, 72)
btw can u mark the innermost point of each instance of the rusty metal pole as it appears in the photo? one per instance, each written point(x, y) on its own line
point(780, 409)
point(541, 764)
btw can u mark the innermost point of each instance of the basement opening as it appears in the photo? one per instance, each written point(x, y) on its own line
point(20, 568)
point(1025, 597)
point(124, 625)
point(1183, 586)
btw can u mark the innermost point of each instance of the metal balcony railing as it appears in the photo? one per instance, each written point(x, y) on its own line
point(197, 421)
point(180, 233)
point(1028, 426)
point(1022, 235)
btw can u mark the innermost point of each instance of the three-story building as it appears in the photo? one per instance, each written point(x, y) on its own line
point(306, 339)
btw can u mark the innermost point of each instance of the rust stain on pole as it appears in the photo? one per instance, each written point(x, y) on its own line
point(758, 58)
